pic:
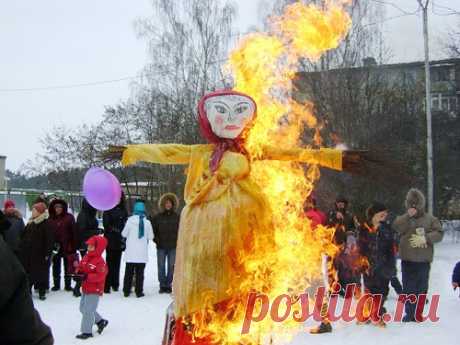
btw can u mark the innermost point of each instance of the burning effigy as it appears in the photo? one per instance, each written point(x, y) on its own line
point(242, 229)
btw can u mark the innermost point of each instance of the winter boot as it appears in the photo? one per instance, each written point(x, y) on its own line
point(381, 324)
point(363, 322)
point(407, 318)
point(84, 336)
point(67, 284)
point(162, 290)
point(140, 294)
point(41, 294)
point(101, 325)
point(324, 327)
point(56, 286)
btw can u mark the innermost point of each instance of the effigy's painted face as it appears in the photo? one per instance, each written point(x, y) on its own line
point(229, 114)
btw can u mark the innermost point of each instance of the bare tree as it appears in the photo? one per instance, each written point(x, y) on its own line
point(188, 43)
point(364, 104)
point(452, 43)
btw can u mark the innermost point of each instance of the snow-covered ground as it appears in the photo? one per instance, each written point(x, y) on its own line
point(136, 321)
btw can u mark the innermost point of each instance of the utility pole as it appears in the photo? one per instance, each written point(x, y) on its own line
point(429, 133)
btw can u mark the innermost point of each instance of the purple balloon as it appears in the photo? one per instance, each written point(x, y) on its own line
point(101, 189)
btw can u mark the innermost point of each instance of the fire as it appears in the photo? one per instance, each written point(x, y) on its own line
point(263, 65)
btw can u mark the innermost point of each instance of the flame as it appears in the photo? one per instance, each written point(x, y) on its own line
point(263, 66)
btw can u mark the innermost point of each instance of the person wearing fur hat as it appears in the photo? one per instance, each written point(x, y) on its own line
point(376, 243)
point(64, 227)
point(35, 248)
point(418, 231)
point(165, 229)
point(138, 232)
point(13, 233)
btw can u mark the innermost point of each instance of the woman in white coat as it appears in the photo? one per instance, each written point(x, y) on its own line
point(138, 232)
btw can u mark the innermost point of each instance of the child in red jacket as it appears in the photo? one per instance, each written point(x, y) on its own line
point(92, 271)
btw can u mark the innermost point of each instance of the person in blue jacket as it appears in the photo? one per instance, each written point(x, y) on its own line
point(456, 276)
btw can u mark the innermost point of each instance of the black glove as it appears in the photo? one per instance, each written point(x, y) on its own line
point(56, 248)
point(123, 244)
point(79, 277)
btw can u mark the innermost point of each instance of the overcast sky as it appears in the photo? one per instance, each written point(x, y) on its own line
point(53, 42)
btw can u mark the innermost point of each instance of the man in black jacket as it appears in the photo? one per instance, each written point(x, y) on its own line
point(342, 220)
point(114, 222)
point(165, 228)
point(20, 323)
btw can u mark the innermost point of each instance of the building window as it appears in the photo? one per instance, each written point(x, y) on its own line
point(453, 103)
point(452, 74)
point(445, 103)
point(443, 74)
point(435, 102)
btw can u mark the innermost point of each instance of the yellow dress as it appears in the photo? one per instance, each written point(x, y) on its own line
point(224, 216)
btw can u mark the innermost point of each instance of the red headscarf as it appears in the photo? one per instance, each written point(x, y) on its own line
point(9, 204)
point(221, 144)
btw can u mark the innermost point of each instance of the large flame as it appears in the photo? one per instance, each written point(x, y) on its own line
point(263, 65)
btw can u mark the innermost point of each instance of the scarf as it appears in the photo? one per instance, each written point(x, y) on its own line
point(139, 210)
point(41, 218)
point(221, 145)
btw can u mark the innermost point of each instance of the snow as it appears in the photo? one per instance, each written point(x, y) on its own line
point(140, 321)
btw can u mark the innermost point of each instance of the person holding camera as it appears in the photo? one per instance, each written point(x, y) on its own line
point(418, 231)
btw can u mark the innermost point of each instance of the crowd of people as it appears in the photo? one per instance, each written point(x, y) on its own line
point(368, 249)
point(52, 238)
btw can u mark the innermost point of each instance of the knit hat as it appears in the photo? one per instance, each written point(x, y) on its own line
point(40, 207)
point(341, 198)
point(9, 204)
point(375, 208)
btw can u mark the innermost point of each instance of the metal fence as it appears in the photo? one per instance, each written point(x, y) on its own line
point(24, 199)
point(451, 229)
